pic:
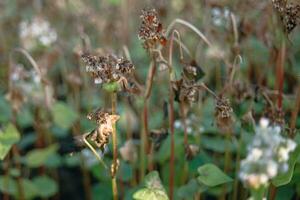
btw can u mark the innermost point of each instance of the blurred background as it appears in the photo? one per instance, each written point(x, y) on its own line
point(41, 156)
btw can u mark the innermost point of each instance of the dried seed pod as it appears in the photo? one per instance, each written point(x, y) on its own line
point(151, 31)
point(185, 91)
point(289, 14)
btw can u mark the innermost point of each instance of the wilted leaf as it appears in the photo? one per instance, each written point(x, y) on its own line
point(211, 175)
point(38, 157)
point(8, 137)
point(64, 116)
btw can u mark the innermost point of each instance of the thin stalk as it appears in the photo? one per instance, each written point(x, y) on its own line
point(93, 150)
point(295, 113)
point(171, 119)
point(279, 85)
point(115, 149)
point(144, 149)
point(191, 26)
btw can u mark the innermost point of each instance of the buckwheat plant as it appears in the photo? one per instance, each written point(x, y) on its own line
point(268, 155)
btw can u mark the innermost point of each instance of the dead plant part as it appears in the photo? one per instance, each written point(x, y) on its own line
point(107, 69)
point(100, 136)
point(157, 136)
point(129, 151)
point(192, 71)
point(289, 14)
point(191, 150)
point(223, 113)
point(16, 98)
point(151, 30)
point(185, 91)
point(275, 115)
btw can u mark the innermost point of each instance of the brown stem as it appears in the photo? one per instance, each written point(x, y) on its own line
point(115, 149)
point(171, 119)
point(280, 73)
point(295, 113)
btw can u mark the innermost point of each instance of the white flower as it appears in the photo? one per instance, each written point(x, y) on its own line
point(283, 154)
point(98, 80)
point(272, 169)
point(255, 154)
point(291, 145)
point(264, 123)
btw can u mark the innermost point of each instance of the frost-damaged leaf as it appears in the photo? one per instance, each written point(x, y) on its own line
point(46, 186)
point(38, 157)
point(154, 190)
point(64, 116)
point(211, 175)
point(285, 178)
point(9, 136)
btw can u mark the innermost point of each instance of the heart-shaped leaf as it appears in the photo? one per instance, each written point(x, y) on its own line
point(8, 137)
point(211, 175)
point(154, 189)
point(38, 157)
point(63, 115)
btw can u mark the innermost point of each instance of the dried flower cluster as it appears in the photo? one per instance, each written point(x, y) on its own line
point(107, 69)
point(223, 113)
point(151, 31)
point(267, 156)
point(186, 90)
point(289, 14)
point(105, 121)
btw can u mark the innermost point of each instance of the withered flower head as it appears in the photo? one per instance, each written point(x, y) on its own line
point(192, 71)
point(157, 136)
point(191, 150)
point(151, 31)
point(99, 116)
point(107, 69)
point(129, 151)
point(223, 113)
point(185, 91)
point(289, 14)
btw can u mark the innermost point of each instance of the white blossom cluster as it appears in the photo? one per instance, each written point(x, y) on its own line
point(267, 156)
point(36, 30)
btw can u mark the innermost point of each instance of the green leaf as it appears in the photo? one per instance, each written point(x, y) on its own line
point(211, 175)
point(64, 116)
point(154, 189)
point(29, 189)
point(8, 137)
point(285, 178)
point(38, 157)
point(150, 194)
point(6, 111)
point(46, 186)
point(8, 185)
point(189, 190)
